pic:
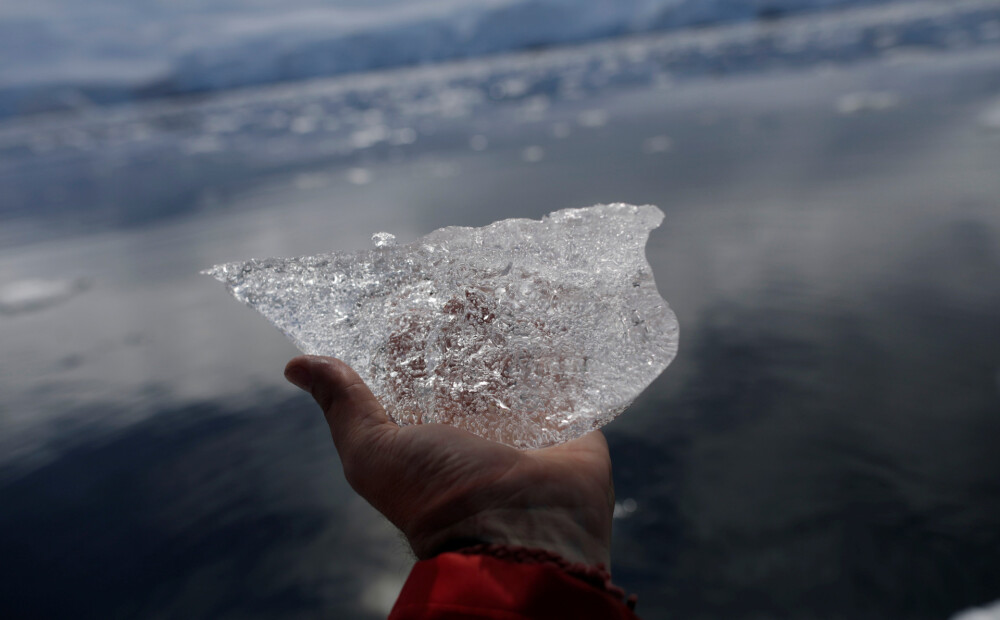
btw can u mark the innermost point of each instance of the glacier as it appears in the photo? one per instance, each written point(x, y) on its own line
point(50, 58)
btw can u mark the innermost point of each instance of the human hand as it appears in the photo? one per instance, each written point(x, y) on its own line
point(445, 488)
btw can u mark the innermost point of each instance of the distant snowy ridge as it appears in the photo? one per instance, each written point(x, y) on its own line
point(469, 32)
point(68, 55)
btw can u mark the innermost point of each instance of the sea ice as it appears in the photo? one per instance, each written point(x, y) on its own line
point(525, 332)
point(988, 612)
point(23, 296)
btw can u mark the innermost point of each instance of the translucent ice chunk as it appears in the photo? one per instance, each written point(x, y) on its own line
point(525, 332)
point(383, 239)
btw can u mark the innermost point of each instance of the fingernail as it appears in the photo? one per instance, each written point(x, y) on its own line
point(299, 376)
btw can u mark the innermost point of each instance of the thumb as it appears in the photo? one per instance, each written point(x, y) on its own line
point(354, 414)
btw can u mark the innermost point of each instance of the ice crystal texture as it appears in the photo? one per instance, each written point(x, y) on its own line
point(525, 332)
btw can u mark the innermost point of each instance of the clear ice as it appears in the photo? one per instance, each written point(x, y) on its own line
point(525, 332)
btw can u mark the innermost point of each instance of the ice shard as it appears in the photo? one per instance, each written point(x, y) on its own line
point(525, 332)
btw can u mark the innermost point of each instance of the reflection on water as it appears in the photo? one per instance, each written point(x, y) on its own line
point(824, 445)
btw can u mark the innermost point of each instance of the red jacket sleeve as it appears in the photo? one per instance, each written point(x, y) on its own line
point(453, 586)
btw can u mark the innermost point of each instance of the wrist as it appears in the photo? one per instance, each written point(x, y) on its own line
point(579, 538)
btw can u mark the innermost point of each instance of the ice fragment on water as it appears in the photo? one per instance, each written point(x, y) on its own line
point(657, 144)
point(525, 332)
point(533, 154)
point(991, 117)
point(23, 296)
point(988, 612)
point(853, 103)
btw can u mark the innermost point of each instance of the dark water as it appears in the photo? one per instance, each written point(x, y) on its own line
point(825, 445)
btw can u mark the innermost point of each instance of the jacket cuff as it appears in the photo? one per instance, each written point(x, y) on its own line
point(467, 584)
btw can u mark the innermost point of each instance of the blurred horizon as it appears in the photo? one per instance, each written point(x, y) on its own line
point(60, 55)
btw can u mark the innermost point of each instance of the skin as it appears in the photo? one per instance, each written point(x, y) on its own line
point(445, 488)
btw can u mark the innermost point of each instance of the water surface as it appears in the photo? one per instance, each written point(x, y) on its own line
point(824, 446)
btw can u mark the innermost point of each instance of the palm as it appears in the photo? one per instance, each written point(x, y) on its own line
point(441, 485)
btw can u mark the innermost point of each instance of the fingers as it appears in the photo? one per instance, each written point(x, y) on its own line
point(352, 411)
